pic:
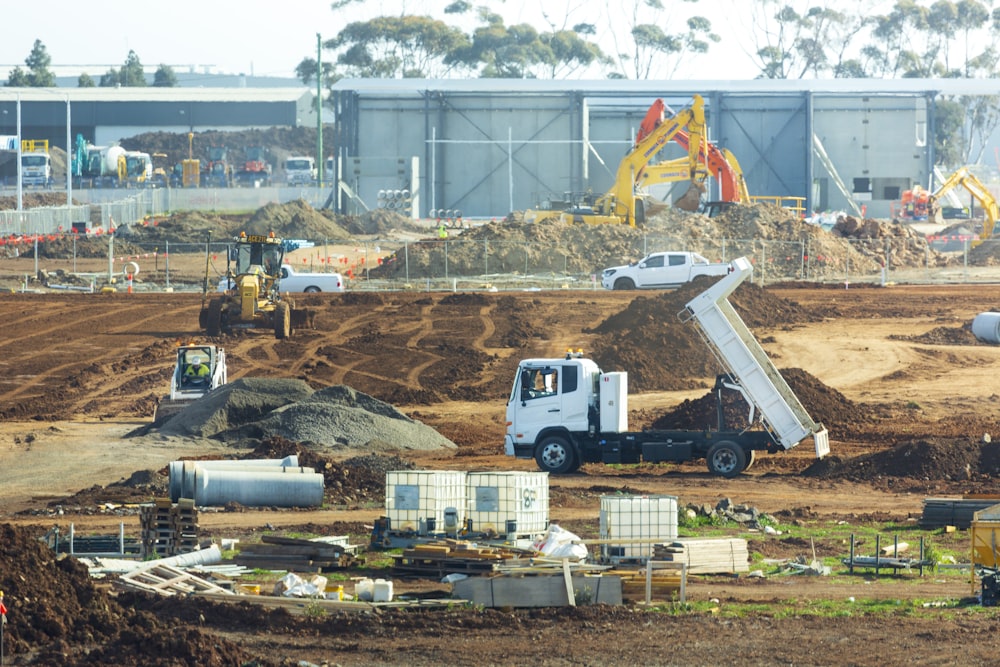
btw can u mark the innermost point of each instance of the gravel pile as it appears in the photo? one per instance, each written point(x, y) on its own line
point(341, 418)
point(337, 418)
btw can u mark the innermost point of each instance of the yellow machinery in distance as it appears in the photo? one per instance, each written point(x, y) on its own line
point(966, 179)
point(621, 204)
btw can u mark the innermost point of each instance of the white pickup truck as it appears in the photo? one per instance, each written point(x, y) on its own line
point(293, 281)
point(661, 270)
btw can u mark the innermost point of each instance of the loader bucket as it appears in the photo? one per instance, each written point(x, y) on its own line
point(690, 200)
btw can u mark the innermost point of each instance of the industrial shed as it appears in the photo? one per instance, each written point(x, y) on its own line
point(107, 115)
point(484, 147)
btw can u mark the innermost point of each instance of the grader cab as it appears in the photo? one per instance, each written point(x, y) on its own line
point(253, 298)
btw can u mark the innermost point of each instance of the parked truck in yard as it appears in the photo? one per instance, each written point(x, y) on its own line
point(661, 270)
point(293, 281)
point(564, 412)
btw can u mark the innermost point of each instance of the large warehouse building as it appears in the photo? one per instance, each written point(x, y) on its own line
point(488, 146)
point(484, 147)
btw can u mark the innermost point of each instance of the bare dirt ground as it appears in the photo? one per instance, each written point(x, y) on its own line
point(898, 364)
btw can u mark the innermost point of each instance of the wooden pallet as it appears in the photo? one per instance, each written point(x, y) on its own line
point(167, 580)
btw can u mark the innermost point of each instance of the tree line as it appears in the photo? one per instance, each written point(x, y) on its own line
point(37, 73)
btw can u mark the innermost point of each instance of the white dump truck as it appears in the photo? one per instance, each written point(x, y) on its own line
point(564, 412)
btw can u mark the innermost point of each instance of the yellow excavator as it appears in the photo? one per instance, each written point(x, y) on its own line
point(623, 204)
point(966, 179)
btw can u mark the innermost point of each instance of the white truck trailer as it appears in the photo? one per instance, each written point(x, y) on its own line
point(564, 412)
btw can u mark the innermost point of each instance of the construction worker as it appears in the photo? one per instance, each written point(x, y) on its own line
point(442, 231)
point(196, 372)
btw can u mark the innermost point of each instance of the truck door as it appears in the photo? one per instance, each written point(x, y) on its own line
point(544, 396)
point(650, 273)
point(677, 270)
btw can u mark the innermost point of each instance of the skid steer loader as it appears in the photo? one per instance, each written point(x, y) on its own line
point(200, 368)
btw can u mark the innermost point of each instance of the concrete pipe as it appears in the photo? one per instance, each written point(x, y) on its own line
point(182, 473)
point(986, 327)
point(216, 487)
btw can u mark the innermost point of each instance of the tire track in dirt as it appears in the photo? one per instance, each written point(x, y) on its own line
point(425, 329)
point(83, 356)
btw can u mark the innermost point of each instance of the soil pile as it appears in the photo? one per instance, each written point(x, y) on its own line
point(57, 616)
point(549, 246)
point(824, 404)
point(663, 353)
point(928, 459)
point(357, 479)
point(295, 219)
point(335, 418)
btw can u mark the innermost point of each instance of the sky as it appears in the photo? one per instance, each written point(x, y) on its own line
point(270, 37)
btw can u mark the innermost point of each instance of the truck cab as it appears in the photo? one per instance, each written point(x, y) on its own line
point(300, 170)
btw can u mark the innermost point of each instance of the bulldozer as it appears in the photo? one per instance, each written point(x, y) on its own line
point(252, 298)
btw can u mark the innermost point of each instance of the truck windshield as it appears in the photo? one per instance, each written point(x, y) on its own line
point(297, 165)
point(34, 160)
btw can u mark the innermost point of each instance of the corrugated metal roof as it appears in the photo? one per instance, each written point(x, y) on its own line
point(610, 86)
point(151, 94)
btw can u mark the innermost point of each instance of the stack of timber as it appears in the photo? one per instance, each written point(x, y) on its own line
point(168, 529)
point(296, 555)
point(941, 512)
point(450, 556)
point(706, 556)
point(664, 584)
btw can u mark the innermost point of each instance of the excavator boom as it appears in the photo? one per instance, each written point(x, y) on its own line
point(966, 179)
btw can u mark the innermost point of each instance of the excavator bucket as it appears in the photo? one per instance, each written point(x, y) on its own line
point(690, 200)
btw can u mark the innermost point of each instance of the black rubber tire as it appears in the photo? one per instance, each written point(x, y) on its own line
point(312, 289)
point(625, 284)
point(726, 459)
point(213, 318)
point(555, 455)
point(282, 320)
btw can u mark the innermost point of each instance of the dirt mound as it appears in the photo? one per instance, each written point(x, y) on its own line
point(824, 404)
point(359, 478)
point(648, 336)
point(943, 336)
point(295, 219)
point(57, 616)
point(280, 143)
point(927, 459)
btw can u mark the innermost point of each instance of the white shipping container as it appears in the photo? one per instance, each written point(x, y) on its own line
point(646, 519)
point(508, 503)
point(417, 499)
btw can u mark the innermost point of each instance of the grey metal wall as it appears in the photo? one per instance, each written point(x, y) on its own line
point(489, 152)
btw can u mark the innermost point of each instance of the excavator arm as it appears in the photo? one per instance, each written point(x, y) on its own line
point(721, 164)
point(965, 178)
point(619, 201)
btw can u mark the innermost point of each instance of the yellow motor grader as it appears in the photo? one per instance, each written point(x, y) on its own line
point(252, 296)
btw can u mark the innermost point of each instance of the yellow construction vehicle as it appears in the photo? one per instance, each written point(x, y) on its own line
point(253, 297)
point(622, 203)
point(200, 368)
point(965, 178)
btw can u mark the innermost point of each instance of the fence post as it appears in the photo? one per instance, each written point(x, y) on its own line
point(166, 263)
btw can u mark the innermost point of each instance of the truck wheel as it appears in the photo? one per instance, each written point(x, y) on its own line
point(282, 320)
point(213, 318)
point(625, 284)
point(555, 455)
point(312, 289)
point(726, 459)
